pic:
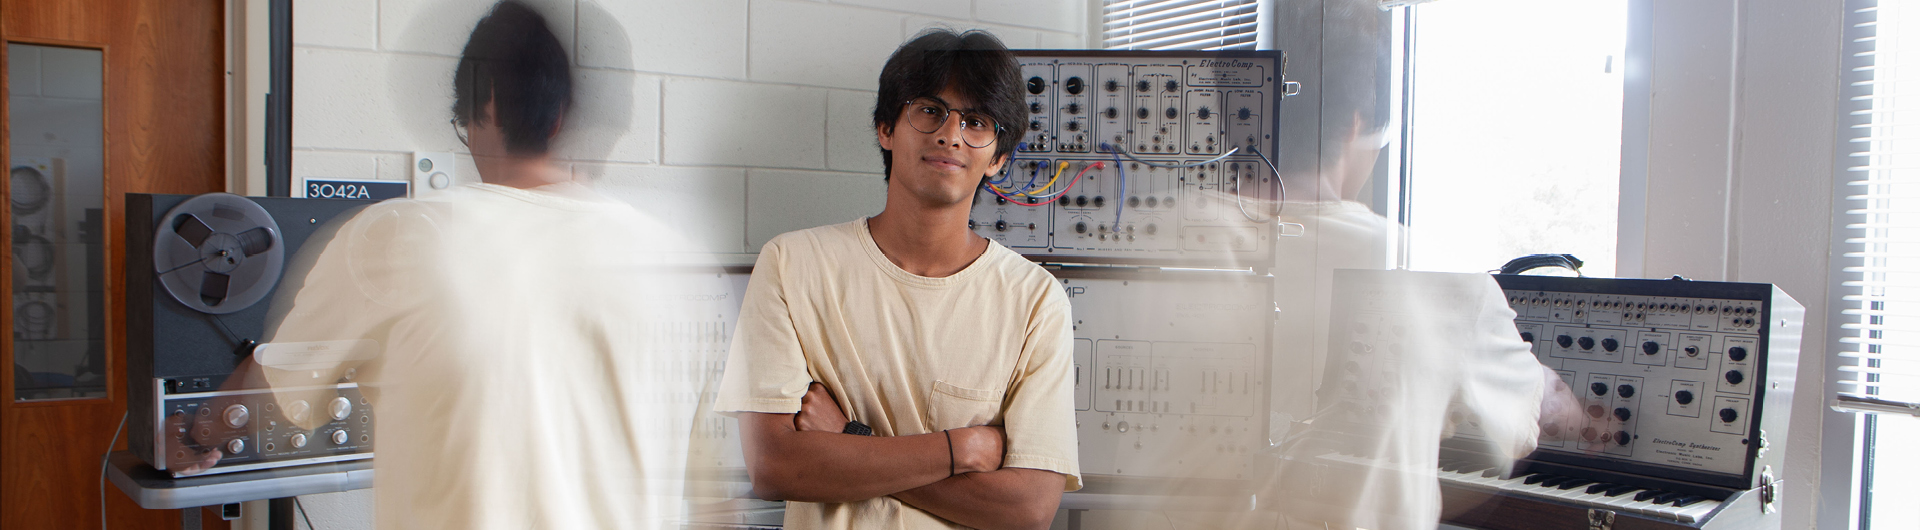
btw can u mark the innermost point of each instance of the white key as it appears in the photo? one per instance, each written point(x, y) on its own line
point(1664, 511)
point(1476, 479)
point(1517, 484)
point(1568, 494)
point(1622, 502)
point(1542, 490)
point(1697, 511)
point(1646, 507)
point(1468, 477)
point(1535, 491)
point(1581, 497)
point(1689, 513)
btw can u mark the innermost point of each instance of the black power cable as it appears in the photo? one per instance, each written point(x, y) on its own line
point(103, 467)
point(1535, 261)
point(303, 513)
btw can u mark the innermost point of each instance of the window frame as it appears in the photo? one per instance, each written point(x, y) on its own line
point(1393, 179)
point(1846, 438)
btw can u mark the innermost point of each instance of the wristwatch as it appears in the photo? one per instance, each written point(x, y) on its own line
point(857, 429)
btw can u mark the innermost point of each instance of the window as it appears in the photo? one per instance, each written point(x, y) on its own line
point(1880, 109)
point(1511, 149)
point(1179, 24)
point(56, 182)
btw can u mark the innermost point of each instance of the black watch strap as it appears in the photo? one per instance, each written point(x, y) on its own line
point(858, 429)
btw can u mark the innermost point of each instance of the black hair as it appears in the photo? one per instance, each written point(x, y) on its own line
point(1354, 67)
point(974, 63)
point(514, 61)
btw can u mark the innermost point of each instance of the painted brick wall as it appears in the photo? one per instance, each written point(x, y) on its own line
point(736, 120)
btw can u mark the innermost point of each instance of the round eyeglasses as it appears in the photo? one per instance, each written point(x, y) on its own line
point(459, 132)
point(928, 115)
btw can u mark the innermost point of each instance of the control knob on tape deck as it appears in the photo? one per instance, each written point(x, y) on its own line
point(236, 416)
point(340, 408)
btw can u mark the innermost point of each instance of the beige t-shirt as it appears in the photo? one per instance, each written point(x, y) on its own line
point(906, 354)
point(526, 377)
point(1465, 356)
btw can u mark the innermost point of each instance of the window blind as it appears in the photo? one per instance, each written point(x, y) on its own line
point(1179, 24)
point(1880, 106)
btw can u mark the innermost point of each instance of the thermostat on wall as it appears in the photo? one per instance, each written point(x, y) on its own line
point(432, 172)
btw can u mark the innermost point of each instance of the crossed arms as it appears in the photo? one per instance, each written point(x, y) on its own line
point(804, 457)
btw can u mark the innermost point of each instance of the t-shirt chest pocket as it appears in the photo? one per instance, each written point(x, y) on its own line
point(954, 407)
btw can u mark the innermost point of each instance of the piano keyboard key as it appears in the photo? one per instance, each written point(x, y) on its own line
point(1678, 507)
point(1571, 484)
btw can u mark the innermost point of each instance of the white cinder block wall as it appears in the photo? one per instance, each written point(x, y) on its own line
point(734, 120)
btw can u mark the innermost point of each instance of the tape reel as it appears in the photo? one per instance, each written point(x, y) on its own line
point(218, 253)
point(33, 253)
point(30, 190)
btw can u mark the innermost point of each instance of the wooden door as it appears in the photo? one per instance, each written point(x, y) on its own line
point(164, 113)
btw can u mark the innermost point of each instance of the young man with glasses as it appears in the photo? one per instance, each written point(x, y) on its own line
point(952, 353)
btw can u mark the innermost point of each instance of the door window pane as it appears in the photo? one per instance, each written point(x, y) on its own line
point(55, 194)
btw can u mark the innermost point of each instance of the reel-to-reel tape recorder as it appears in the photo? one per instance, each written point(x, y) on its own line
point(199, 272)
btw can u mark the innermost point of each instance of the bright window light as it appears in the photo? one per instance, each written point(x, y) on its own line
point(1515, 122)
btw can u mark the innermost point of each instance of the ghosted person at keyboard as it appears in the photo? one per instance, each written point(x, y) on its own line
point(1369, 385)
point(512, 328)
point(1423, 370)
point(1386, 365)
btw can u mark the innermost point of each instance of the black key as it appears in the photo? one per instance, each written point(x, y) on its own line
point(1453, 466)
point(1684, 501)
point(1490, 472)
point(1644, 495)
point(1597, 488)
point(1571, 484)
point(1667, 497)
point(1554, 482)
point(1537, 477)
point(1617, 491)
